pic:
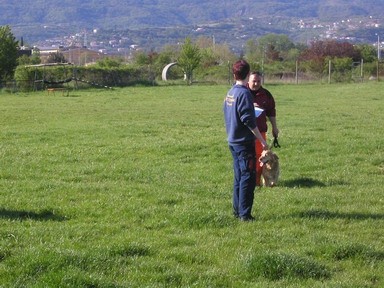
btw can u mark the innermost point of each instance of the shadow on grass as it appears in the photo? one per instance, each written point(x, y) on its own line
point(45, 215)
point(306, 182)
point(302, 182)
point(324, 214)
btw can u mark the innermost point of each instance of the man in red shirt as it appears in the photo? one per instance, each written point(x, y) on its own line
point(264, 108)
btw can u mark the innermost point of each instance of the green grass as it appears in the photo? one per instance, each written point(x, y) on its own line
point(132, 188)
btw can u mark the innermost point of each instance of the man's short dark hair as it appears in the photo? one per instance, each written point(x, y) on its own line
point(241, 69)
point(258, 73)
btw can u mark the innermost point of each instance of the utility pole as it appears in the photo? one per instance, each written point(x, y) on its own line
point(378, 57)
point(378, 47)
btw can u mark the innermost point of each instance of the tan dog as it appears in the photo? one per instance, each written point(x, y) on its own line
point(271, 169)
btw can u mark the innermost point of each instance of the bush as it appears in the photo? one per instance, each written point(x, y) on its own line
point(217, 74)
point(26, 78)
point(39, 77)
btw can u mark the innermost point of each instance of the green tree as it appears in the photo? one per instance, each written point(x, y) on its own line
point(167, 55)
point(141, 58)
point(254, 53)
point(8, 53)
point(275, 46)
point(189, 59)
point(29, 60)
point(367, 52)
point(23, 60)
point(341, 68)
point(268, 52)
point(35, 58)
point(215, 60)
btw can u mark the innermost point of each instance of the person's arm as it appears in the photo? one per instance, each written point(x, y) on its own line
point(275, 130)
point(257, 133)
point(271, 112)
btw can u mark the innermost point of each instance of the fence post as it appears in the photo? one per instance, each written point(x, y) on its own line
point(377, 71)
point(362, 70)
point(329, 72)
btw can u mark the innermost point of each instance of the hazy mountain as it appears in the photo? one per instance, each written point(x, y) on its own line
point(42, 18)
point(152, 13)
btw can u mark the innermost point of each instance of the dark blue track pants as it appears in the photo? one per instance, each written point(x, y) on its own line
point(244, 161)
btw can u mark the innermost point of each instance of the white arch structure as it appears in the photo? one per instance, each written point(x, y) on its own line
point(165, 70)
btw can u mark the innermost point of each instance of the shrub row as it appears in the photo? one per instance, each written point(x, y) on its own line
point(30, 78)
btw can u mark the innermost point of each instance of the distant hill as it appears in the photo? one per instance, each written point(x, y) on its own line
point(151, 13)
point(39, 19)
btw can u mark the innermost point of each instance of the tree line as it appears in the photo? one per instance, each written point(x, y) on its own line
point(199, 60)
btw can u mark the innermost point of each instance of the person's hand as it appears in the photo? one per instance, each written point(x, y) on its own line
point(275, 133)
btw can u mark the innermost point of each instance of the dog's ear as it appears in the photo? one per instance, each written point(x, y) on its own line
point(275, 156)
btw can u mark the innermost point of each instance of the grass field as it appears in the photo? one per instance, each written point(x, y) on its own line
point(132, 188)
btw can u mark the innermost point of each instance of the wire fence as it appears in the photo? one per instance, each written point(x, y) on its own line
point(299, 74)
point(330, 73)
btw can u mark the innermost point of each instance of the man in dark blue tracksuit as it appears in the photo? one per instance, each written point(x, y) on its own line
point(240, 123)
